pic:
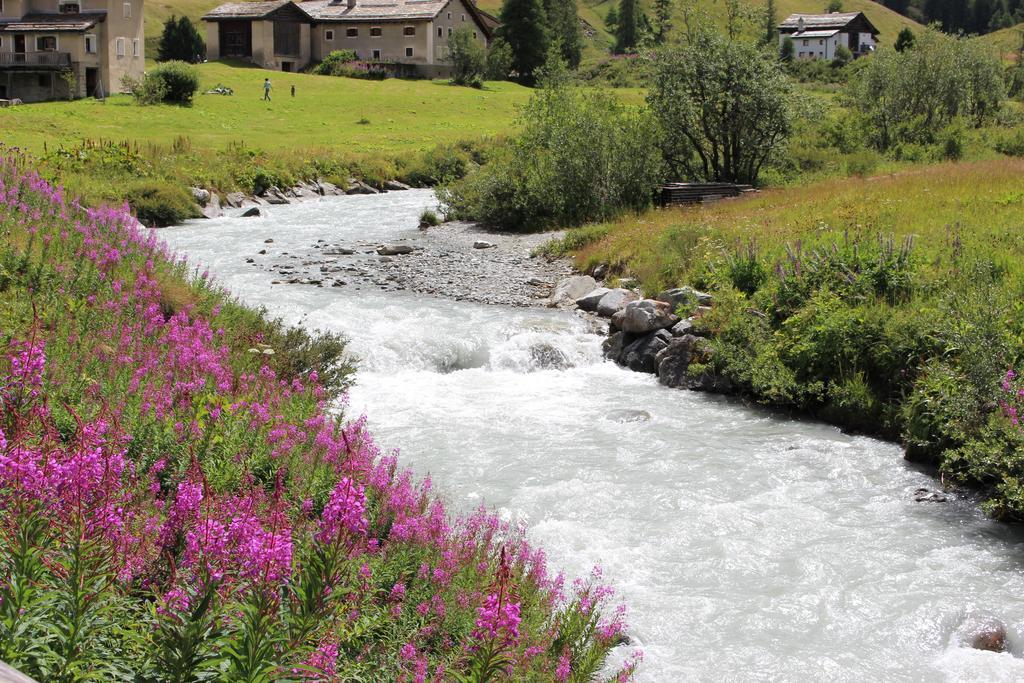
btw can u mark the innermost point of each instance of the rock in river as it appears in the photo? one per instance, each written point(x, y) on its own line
point(641, 355)
point(628, 415)
point(646, 315)
point(572, 288)
point(252, 213)
point(394, 249)
point(590, 301)
point(614, 301)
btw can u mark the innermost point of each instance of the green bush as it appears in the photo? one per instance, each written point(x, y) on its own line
point(181, 81)
point(334, 63)
point(582, 156)
point(429, 219)
point(159, 204)
point(467, 56)
point(862, 163)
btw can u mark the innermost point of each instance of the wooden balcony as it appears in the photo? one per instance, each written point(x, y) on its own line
point(35, 60)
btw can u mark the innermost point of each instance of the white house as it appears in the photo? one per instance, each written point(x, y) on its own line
point(818, 36)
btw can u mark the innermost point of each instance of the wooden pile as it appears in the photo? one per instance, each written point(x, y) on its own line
point(697, 193)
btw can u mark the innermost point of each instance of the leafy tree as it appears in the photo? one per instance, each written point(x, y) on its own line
point(842, 57)
point(911, 96)
point(788, 50)
point(523, 28)
point(499, 60)
point(905, 40)
point(564, 23)
point(723, 106)
point(834, 6)
point(582, 156)
point(181, 41)
point(627, 28)
point(468, 58)
point(771, 20)
point(663, 19)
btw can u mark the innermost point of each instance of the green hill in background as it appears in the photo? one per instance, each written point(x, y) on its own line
point(592, 12)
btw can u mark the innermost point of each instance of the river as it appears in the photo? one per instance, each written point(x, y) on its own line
point(747, 546)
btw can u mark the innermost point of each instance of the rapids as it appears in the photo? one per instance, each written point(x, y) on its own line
point(748, 546)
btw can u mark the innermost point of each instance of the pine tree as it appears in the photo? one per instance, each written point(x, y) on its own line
point(181, 41)
point(905, 40)
point(524, 28)
point(663, 19)
point(628, 26)
point(770, 21)
point(564, 23)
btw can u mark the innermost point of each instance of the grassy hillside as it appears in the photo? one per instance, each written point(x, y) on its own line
point(337, 113)
point(1007, 40)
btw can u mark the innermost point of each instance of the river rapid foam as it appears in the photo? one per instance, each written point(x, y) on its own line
point(747, 546)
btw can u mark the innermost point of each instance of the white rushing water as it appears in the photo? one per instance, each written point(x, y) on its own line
point(747, 546)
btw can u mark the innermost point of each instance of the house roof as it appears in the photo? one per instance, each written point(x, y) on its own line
point(247, 10)
point(835, 21)
point(331, 11)
point(373, 10)
point(54, 23)
point(817, 34)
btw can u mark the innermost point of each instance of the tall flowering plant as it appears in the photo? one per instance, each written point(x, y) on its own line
point(182, 504)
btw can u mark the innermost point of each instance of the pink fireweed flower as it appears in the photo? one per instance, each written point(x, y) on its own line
point(498, 620)
point(345, 511)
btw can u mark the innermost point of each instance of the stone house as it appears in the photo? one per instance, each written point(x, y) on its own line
point(54, 49)
point(287, 36)
point(818, 36)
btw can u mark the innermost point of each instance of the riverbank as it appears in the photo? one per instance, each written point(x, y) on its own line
point(885, 305)
point(174, 451)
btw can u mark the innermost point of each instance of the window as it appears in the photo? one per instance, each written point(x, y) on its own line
point(408, 52)
point(449, 30)
point(440, 32)
point(375, 32)
point(351, 33)
point(90, 44)
point(136, 52)
point(821, 42)
point(474, 35)
point(409, 31)
point(376, 55)
point(328, 35)
point(449, 15)
point(65, 7)
point(463, 18)
point(806, 42)
point(127, 10)
point(46, 44)
point(119, 47)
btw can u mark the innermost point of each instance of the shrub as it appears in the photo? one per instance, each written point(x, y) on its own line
point(146, 91)
point(429, 219)
point(862, 163)
point(842, 57)
point(159, 204)
point(181, 81)
point(334, 63)
point(582, 156)
point(499, 60)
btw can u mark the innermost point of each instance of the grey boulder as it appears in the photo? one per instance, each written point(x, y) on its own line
point(572, 288)
point(641, 355)
point(200, 195)
point(614, 301)
point(684, 296)
point(359, 187)
point(235, 199)
point(212, 208)
point(646, 315)
point(589, 301)
point(395, 186)
point(252, 213)
point(394, 249)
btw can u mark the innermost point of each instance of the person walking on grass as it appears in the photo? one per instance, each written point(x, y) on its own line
point(266, 89)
